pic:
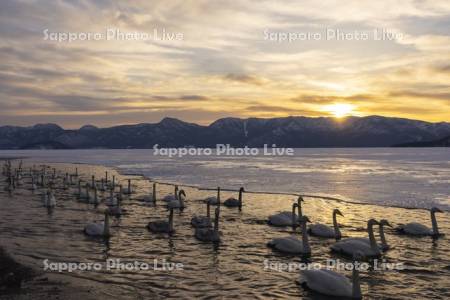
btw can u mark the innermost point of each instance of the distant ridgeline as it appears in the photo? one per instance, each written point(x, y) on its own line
point(445, 142)
point(372, 131)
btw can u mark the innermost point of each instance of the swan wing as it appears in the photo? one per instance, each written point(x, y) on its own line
point(175, 204)
point(416, 229)
point(231, 202)
point(94, 229)
point(281, 219)
point(327, 282)
point(351, 247)
point(201, 222)
point(322, 230)
point(360, 239)
point(287, 245)
point(158, 226)
point(169, 197)
point(212, 200)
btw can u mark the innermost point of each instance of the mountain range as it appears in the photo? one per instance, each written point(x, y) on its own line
point(370, 131)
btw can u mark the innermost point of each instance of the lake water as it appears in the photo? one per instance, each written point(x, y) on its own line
point(406, 177)
point(235, 269)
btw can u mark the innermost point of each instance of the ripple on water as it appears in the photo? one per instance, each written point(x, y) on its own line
point(233, 269)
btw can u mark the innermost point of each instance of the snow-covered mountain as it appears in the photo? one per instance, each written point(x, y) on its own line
point(371, 131)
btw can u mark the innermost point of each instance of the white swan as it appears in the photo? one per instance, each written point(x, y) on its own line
point(112, 185)
point(102, 187)
point(94, 200)
point(233, 202)
point(179, 203)
point(51, 200)
point(419, 229)
point(128, 190)
point(292, 245)
point(384, 246)
point(287, 218)
point(92, 184)
point(115, 210)
point(351, 246)
point(325, 231)
point(213, 200)
point(202, 221)
point(171, 197)
point(330, 283)
point(98, 229)
point(65, 184)
point(33, 184)
point(152, 196)
point(112, 199)
point(84, 196)
point(162, 226)
point(210, 234)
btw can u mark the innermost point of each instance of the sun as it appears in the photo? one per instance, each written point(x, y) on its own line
point(340, 110)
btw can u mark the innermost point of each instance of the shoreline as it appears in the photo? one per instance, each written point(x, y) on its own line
point(200, 188)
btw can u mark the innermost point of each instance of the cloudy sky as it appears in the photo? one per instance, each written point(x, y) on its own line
point(222, 58)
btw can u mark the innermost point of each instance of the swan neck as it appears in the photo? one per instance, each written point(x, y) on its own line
point(383, 237)
point(300, 212)
point(171, 220)
point(356, 287)
point(337, 231)
point(434, 223)
point(294, 218)
point(373, 242)
point(216, 223)
point(154, 192)
point(305, 241)
point(240, 199)
point(208, 210)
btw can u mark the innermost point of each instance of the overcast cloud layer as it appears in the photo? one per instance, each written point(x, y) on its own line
point(224, 65)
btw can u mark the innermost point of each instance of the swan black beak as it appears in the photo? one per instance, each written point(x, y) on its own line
point(339, 213)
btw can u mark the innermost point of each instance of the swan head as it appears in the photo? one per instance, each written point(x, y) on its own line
point(304, 219)
point(372, 222)
point(435, 210)
point(338, 212)
point(300, 199)
point(385, 222)
point(181, 192)
point(294, 206)
point(241, 189)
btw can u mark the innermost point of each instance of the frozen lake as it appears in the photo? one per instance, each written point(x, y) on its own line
point(406, 177)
